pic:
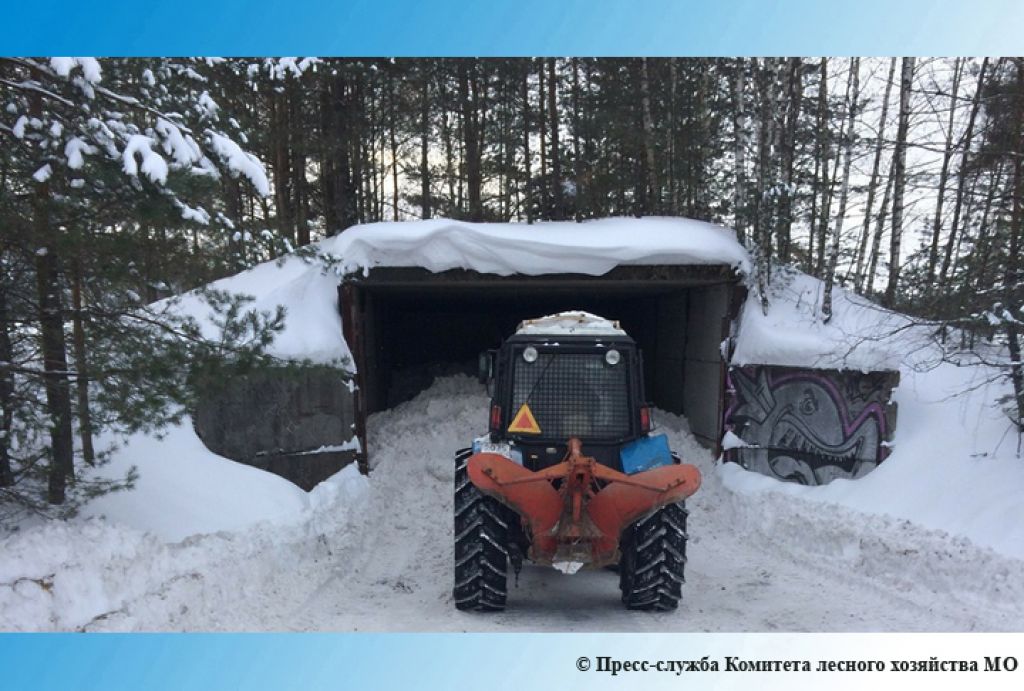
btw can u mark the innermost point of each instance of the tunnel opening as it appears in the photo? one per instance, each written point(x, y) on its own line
point(406, 326)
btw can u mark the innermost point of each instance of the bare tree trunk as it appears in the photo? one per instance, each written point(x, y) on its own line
point(648, 120)
point(81, 366)
point(577, 167)
point(673, 135)
point(328, 162)
point(51, 338)
point(962, 176)
point(393, 146)
point(526, 143)
point(947, 156)
point(852, 96)
point(858, 275)
point(556, 158)
point(762, 223)
point(297, 137)
point(468, 94)
point(899, 175)
point(282, 164)
point(1011, 275)
point(794, 88)
point(6, 392)
point(739, 125)
point(824, 143)
point(594, 201)
point(54, 352)
point(541, 111)
point(876, 243)
point(425, 147)
point(984, 242)
point(446, 135)
point(337, 155)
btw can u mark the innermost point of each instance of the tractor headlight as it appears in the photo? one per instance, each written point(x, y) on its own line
point(530, 354)
point(612, 357)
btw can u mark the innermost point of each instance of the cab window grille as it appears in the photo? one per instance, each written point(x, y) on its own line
point(574, 394)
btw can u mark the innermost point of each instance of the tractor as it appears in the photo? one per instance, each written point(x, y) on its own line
point(569, 474)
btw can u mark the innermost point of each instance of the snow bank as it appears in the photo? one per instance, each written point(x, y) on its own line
point(860, 336)
point(79, 575)
point(953, 466)
point(350, 561)
point(185, 489)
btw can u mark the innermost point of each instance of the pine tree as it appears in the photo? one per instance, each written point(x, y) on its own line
point(98, 155)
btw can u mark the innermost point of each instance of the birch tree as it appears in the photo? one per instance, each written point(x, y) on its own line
point(899, 181)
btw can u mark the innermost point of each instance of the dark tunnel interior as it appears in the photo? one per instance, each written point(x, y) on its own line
point(427, 334)
point(414, 333)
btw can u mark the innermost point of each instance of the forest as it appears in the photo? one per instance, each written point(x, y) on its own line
point(126, 182)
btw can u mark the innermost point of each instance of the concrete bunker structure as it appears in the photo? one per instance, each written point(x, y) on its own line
point(419, 299)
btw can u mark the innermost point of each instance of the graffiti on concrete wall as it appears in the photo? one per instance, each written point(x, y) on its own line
point(810, 426)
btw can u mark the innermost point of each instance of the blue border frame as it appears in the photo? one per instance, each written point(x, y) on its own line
point(514, 27)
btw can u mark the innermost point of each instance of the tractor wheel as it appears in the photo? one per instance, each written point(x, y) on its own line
point(653, 557)
point(481, 545)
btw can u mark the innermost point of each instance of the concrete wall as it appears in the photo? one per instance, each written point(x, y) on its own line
point(810, 426)
point(702, 393)
point(277, 420)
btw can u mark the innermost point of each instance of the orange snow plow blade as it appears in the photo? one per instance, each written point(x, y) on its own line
point(576, 510)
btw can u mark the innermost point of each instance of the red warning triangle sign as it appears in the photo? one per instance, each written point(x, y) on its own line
point(524, 422)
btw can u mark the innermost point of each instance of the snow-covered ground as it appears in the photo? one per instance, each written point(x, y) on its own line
point(931, 540)
point(374, 553)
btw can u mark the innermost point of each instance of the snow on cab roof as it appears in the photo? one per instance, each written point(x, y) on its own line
point(591, 247)
point(571, 324)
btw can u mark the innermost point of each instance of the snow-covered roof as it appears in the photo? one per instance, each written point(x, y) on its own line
point(571, 324)
point(792, 333)
point(592, 247)
point(313, 323)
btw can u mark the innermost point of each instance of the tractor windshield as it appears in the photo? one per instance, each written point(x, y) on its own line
point(574, 394)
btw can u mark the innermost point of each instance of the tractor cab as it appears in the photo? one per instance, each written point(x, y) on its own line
point(565, 376)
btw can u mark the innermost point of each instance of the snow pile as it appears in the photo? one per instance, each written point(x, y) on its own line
point(953, 465)
point(95, 574)
point(860, 336)
point(240, 162)
point(153, 165)
point(571, 324)
point(309, 293)
point(185, 489)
